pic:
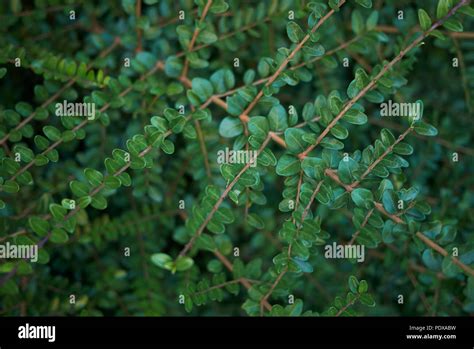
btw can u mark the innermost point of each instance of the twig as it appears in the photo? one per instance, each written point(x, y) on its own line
point(216, 206)
point(433, 245)
point(184, 73)
point(382, 72)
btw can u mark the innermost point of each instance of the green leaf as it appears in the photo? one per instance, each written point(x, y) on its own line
point(294, 31)
point(202, 88)
point(314, 50)
point(353, 284)
point(278, 118)
point(219, 6)
point(363, 286)
point(288, 165)
point(365, 3)
point(258, 125)
point(389, 201)
point(249, 76)
point(387, 137)
point(167, 146)
point(173, 66)
point(403, 149)
point(39, 226)
point(201, 114)
point(453, 24)
point(99, 202)
point(162, 260)
point(346, 170)
point(112, 182)
point(174, 89)
point(207, 37)
point(294, 140)
point(354, 116)
point(255, 221)
point(424, 18)
point(52, 133)
point(467, 10)
point(331, 143)
point(78, 188)
point(362, 197)
point(443, 8)
point(372, 20)
point(206, 242)
point(304, 266)
point(263, 68)
point(94, 177)
point(84, 201)
point(58, 236)
point(24, 109)
point(184, 263)
point(10, 187)
point(425, 129)
point(339, 131)
point(357, 22)
point(3, 71)
point(57, 211)
point(230, 127)
point(367, 299)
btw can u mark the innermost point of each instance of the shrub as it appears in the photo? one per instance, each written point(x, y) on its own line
point(230, 158)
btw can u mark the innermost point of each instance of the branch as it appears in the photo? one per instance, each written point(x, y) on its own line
point(244, 282)
point(283, 65)
point(60, 91)
point(283, 272)
point(216, 206)
point(433, 245)
point(372, 83)
point(265, 298)
point(73, 212)
point(366, 219)
point(302, 64)
point(195, 35)
point(86, 121)
point(138, 13)
point(381, 157)
point(443, 142)
point(378, 206)
point(394, 30)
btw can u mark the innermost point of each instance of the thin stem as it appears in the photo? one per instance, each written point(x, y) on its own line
point(195, 35)
point(244, 116)
point(373, 82)
point(433, 245)
point(344, 308)
point(216, 206)
point(272, 288)
point(378, 206)
point(59, 92)
point(381, 157)
point(138, 13)
point(230, 267)
point(202, 145)
point(364, 223)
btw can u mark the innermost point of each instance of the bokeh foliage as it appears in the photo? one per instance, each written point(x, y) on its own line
point(133, 213)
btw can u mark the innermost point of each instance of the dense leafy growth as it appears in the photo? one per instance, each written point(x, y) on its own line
point(135, 208)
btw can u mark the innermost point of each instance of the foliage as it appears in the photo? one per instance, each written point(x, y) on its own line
point(134, 214)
